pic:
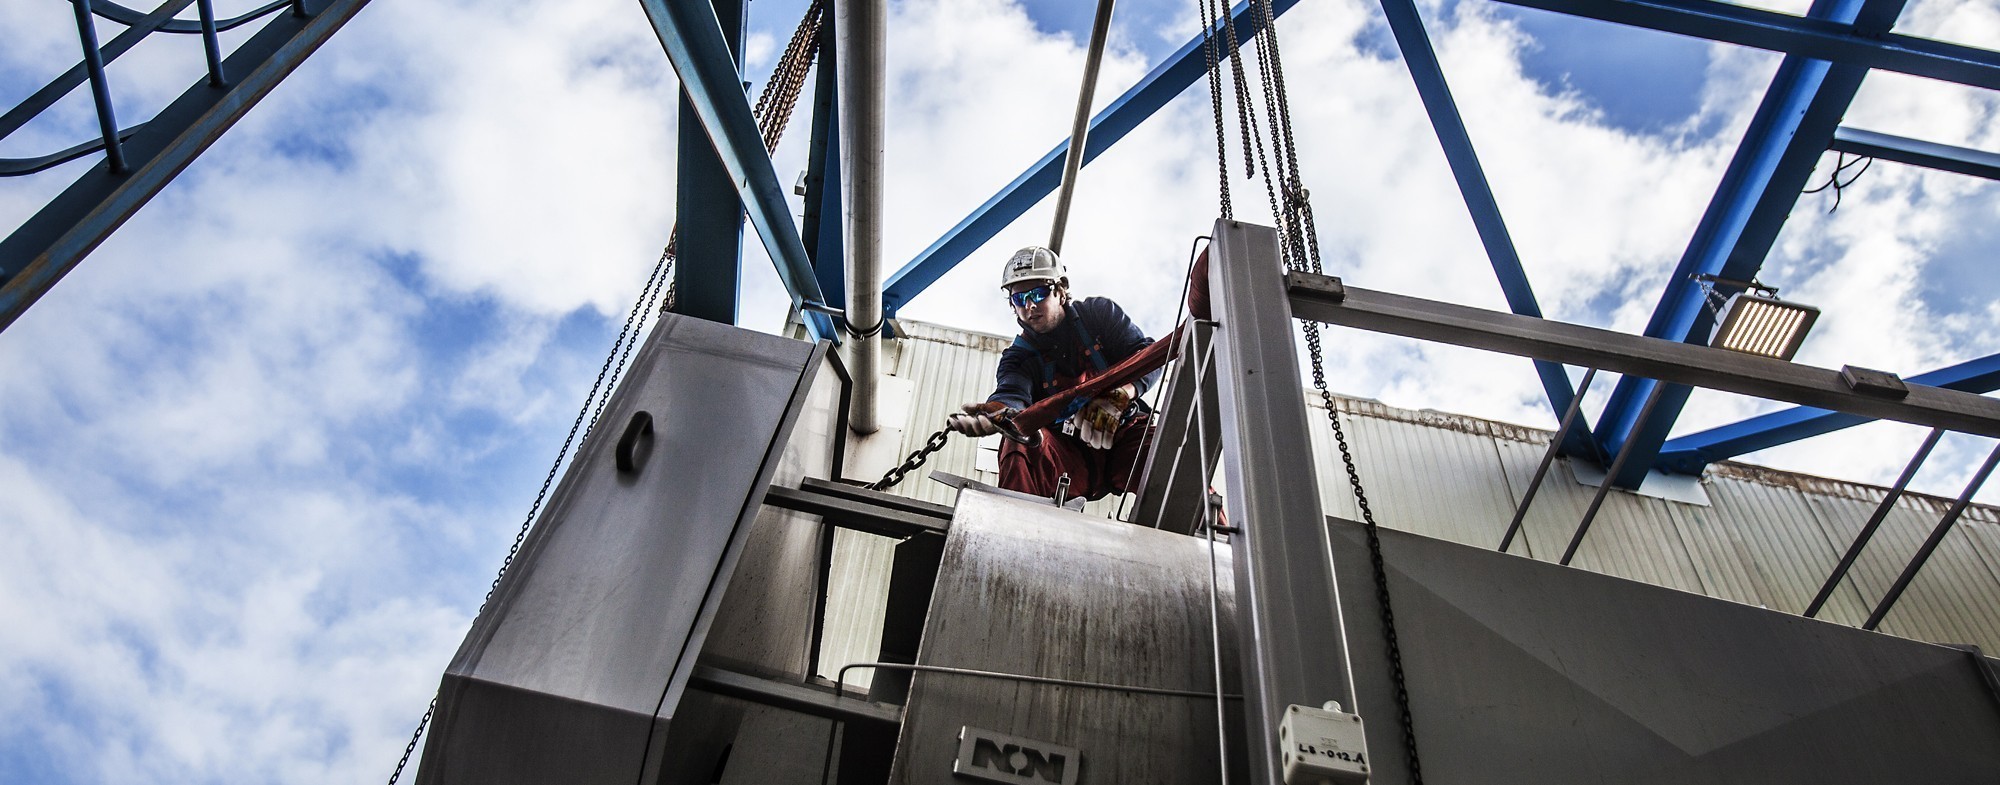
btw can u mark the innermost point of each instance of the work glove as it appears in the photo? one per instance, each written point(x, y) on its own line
point(973, 420)
point(1097, 422)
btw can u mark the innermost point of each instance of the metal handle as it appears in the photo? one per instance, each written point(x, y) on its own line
point(636, 443)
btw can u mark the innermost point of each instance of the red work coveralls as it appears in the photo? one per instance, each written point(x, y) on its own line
point(1095, 334)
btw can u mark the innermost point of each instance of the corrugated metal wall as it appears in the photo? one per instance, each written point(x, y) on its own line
point(1765, 538)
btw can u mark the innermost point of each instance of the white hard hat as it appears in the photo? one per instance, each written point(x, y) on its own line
point(1033, 263)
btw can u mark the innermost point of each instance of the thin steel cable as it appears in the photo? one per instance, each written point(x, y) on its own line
point(1209, 528)
point(1159, 390)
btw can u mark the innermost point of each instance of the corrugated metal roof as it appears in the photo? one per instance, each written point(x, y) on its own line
point(1766, 537)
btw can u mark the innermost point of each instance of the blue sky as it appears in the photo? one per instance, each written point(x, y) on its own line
point(263, 449)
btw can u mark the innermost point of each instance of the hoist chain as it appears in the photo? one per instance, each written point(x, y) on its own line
point(1208, 46)
point(773, 112)
point(910, 464)
point(1291, 208)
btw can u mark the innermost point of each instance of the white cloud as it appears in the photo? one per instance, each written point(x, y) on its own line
point(261, 449)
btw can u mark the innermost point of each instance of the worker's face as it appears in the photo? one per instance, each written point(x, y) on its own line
point(1037, 304)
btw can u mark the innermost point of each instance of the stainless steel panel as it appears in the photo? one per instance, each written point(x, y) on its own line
point(1526, 672)
point(766, 616)
point(574, 671)
point(1030, 588)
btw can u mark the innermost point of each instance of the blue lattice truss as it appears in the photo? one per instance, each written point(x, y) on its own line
point(725, 174)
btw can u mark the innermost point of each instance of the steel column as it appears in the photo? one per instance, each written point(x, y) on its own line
point(1688, 454)
point(820, 224)
point(1165, 83)
point(1415, 44)
point(708, 255)
point(1786, 137)
point(48, 245)
point(692, 37)
point(1290, 634)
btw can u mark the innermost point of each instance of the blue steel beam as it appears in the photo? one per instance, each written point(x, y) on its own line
point(1167, 81)
point(708, 245)
point(822, 220)
point(1415, 44)
point(1916, 152)
point(1689, 454)
point(1791, 129)
point(1815, 36)
point(51, 243)
point(692, 38)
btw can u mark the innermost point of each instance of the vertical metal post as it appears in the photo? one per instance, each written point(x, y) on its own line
point(1874, 522)
point(1079, 128)
point(708, 213)
point(861, 28)
point(1936, 538)
point(210, 46)
point(100, 88)
point(1610, 475)
point(1290, 634)
point(1548, 457)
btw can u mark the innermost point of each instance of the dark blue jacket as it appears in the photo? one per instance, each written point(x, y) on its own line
point(1095, 335)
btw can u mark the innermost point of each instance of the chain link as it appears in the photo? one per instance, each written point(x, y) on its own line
point(780, 94)
point(910, 464)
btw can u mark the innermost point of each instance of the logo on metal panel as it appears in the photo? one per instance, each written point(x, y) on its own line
point(997, 757)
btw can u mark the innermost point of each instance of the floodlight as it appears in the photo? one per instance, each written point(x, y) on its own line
point(1757, 322)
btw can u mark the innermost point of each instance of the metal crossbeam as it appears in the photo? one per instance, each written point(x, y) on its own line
point(1688, 454)
point(1415, 44)
point(693, 40)
point(1325, 299)
point(51, 243)
point(1818, 37)
point(1181, 69)
point(1786, 137)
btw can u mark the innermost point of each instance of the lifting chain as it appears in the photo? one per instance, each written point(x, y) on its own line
point(1299, 246)
point(910, 464)
point(780, 95)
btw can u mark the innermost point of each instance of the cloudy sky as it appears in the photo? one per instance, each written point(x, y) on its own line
point(261, 452)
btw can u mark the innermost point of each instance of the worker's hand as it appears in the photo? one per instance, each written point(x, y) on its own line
point(972, 421)
point(1097, 423)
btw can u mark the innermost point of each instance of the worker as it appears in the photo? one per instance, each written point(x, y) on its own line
point(1063, 343)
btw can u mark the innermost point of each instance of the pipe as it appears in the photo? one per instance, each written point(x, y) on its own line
point(1079, 129)
point(860, 30)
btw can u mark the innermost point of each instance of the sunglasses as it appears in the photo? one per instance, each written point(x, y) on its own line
point(1029, 297)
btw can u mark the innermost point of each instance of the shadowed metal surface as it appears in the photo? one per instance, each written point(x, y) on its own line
point(1030, 588)
point(577, 666)
point(1525, 672)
